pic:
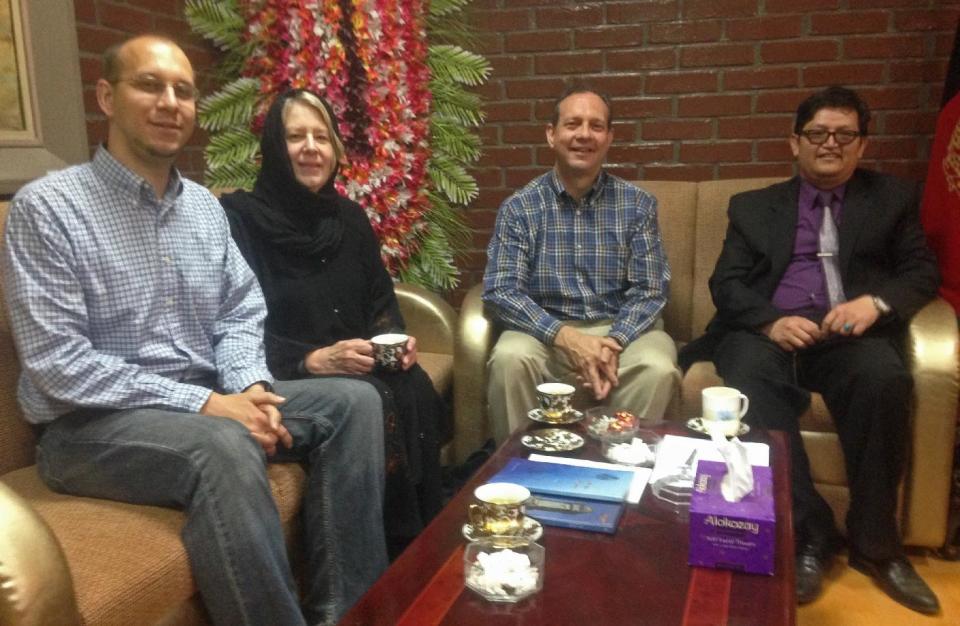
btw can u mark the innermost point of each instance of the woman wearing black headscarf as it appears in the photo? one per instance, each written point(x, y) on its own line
point(327, 292)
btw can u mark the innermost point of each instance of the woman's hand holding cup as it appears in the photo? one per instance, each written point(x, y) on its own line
point(410, 356)
point(348, 356)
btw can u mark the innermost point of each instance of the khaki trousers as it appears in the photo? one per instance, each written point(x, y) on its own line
point(649, 376)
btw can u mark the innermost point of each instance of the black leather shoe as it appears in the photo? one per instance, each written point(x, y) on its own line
point(900, 581)
point(813, 560)
point(809, 577)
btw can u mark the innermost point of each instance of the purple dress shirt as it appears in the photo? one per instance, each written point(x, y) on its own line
point(803, 288)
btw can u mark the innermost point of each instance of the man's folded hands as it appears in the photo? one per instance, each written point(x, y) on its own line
point(596, 359)
point(256, 409)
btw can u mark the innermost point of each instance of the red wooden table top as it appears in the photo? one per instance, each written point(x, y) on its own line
point(637, 576)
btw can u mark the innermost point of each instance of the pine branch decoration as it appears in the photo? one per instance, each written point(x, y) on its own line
point(217, 20)
point(231, 107)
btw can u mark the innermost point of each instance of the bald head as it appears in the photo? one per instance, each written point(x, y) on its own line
point(120, 57)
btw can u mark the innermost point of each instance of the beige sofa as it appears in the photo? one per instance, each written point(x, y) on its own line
point(66, 560)
point(693, 221)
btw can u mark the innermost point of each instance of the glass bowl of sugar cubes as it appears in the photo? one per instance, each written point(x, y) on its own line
point(504, 569)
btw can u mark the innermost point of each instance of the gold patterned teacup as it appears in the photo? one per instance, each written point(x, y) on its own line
point(555, 399)
point(389, 350)
point(499, 509)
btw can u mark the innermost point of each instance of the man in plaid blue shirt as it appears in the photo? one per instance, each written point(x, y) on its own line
point(577, 275)
point(140, 331)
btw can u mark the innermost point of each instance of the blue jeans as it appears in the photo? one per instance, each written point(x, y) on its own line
point(216, 472)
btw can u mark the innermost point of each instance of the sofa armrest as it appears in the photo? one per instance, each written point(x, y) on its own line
point(428, 317)
point(932, 356)
point(35, 583)
point(475, 335)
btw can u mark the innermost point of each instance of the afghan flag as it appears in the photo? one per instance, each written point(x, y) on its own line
point(940, 211)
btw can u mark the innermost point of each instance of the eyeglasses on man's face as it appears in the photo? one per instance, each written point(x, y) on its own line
point(819, 136)
point(150, 84)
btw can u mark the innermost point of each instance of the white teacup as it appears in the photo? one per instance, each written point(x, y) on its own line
point(555, 399)
point(389, 349)
point(723, 408)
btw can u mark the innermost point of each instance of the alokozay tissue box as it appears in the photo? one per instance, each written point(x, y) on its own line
point(732, 535)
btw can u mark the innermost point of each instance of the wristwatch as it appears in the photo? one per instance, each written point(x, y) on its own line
point(882, 307)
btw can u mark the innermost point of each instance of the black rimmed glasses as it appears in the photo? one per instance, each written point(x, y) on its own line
point(818, 136)
point(149, 84)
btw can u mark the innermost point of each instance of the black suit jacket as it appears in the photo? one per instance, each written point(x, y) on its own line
point(883, 252)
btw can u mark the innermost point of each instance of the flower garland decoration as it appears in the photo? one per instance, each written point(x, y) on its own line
point(368, 59)
point(403, 112)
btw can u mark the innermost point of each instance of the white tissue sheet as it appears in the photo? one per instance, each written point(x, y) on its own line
point(738, 481)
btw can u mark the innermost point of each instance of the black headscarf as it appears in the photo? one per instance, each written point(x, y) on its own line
point(288, 215)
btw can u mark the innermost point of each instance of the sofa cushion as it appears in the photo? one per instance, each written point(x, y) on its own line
point(826, 458)
point(700, 376)
point(439, 367)
point(127, 561)
point(16, 437)
point(711, 228)
point(816, 419)
point(676, 215)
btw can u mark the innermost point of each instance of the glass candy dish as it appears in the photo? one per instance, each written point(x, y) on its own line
point(611, 425)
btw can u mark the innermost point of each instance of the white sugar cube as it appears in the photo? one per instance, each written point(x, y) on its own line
point(504, 572)
point(632, 453)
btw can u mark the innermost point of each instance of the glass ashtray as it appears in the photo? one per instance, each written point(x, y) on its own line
point(504, 569)
point(674, 492)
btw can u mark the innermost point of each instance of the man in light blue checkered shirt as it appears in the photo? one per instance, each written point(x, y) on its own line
point(140, 331)
point(577, 275)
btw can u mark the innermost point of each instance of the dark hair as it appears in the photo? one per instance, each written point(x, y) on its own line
point(580, 87)
point(112, 64)
point(833, 97)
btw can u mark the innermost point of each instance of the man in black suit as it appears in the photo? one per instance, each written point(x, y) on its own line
point(805, 305)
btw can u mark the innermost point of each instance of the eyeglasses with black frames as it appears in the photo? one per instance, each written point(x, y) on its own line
point(818, 136)
point(150, 84)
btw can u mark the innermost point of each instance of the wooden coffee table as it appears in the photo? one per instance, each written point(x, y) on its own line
point(637, 576)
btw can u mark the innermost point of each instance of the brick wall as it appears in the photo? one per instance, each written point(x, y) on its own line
point(702, 89)
point(100, 24)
